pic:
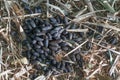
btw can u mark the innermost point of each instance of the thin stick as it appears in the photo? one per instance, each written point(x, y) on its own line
point(85, 16)
point(76, 48)
point(77, 30)
point(81, 12)
point(104, 36)
point(47, 8)
point(93, 30)
point(93, 73)
point(107, 48)
point(114, 65)
point(62, 5)
point(23, 16)
point(103, 25)
point(90, 6)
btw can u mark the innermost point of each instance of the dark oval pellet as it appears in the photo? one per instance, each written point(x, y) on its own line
point(46, 54)
point(46, 49)
point(99, 29)
point(54, 44)
point(38, 39)
point(36, 54)
point(65, 21)
point(65, 48)
point(33, 57)
point(34, 42)
point(46, 28)
point(39, 50)
point(46, 42)
point(40, 34)
point(39, 59)
point(43, 56)
point(88, 45)
point(53, 48)
point(40, 43)
point(49, 36)
point(37, 9)
point(78, 57)
point(113, 40)
point(37, 46)
point(30, 22)
point(27, 9)
point(61, 30)
point(73, 58)
point(58, 19)
point(53, 20)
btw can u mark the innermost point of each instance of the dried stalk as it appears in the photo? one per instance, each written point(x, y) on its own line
point(81, 12)
point(75, 48)
point(77, 30)
point(21, 17)
point(114, 65)
point(103, 25)
point(85, 16)
point(107, 48)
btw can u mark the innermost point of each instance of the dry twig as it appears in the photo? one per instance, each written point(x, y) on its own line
point(75, 48)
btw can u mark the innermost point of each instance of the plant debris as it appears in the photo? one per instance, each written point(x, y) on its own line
point(59, 40)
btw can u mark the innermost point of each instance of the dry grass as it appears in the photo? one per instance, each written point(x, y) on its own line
point(97, 13)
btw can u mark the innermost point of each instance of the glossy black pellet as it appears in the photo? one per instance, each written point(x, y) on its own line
point(113, 40)
point(28, 46)
point(53, 48)
point(37, 46)
point(77, 56)
point(49, 36)
point(99, 29)
point(65, 48)
point(39, 50)
point(54, 62)
point(46, 49)
point(65, 21)
point(38, 39)
point(36, 54)
point(90, 33)
point(37, 9)
point(46, 28)
point(61, 30)
point(54, 44)
point(33, 57)
point(88, 45)
point(57, 28)
point(46, 42)
point(40, 34)
point(34, 42)
point(46, 54)
point(97, 36)
point(31, 23)
point(53, 20)
point(58, 19)
point(73, 58)
point(40, 43)
point(39, 59)
point(27, 9)
point(43, 56)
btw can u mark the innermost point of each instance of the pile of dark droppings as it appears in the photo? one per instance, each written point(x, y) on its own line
point(48, 41)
